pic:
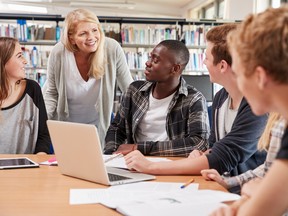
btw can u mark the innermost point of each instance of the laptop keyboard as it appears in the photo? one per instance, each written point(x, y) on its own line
point(114, 177)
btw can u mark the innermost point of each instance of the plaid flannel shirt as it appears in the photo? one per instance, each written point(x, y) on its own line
point(274, 146)
point(187, 122)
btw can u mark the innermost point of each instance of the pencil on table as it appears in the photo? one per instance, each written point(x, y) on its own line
point(187, 183)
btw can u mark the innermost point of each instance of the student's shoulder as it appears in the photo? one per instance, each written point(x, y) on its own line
point(222, 93)
point(58, 48)
point(191, 90)
point(138, 83)
point(32, 87)
point(32, 84)
point(221, 96)
point(110, 42)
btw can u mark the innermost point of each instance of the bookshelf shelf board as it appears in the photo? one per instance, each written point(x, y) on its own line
point(43, 17)
point(195, 73)
point(196, 47)
point(39, 43)
point(186, 72)
point(35, 68)
point(137, 70)
point(127, 45)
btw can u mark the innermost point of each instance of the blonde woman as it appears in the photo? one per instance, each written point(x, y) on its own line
point(82, 73)
point(23, 116)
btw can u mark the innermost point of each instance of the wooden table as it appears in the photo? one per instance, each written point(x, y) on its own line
point(45, 191)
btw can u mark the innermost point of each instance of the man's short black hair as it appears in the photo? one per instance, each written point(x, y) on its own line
point(179, 49)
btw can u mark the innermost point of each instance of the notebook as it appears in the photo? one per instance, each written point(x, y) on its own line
point(79, 154)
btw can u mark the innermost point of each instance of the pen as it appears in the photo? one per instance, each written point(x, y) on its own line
point(187, 183)
point(113, 157)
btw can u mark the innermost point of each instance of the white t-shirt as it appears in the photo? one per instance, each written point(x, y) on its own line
point(226, 118)
point(82, 96)
point(153, 125)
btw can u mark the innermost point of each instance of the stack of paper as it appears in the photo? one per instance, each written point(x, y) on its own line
point(154, 198)
point(113, 196)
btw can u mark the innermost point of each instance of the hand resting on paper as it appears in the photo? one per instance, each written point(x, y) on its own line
point(126, 149)
point(135, 160)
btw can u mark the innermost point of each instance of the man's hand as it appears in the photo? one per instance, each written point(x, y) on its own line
point(196, 153)
point(126, 149)
point(136, 161)
point(212, 174)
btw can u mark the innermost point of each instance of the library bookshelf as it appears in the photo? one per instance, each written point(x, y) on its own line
point(39, 33)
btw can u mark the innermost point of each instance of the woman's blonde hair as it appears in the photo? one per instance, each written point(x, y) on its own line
point(7, 49)
point(96, 59)
point(264, 141)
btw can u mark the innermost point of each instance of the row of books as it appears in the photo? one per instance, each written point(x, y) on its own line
point(137, 60)
point(131, 35)
point(192, 34)
point(195, 35)
point(26, 33)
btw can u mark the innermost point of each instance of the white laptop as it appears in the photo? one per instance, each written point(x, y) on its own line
point(79, 154)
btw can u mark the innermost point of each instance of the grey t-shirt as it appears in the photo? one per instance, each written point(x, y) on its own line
point(23, 128)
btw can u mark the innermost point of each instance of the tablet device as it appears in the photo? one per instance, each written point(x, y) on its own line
point(15, 163)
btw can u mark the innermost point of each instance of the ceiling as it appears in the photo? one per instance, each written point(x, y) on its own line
point(142, 8)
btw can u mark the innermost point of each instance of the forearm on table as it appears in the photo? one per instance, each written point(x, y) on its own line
point(191, 166)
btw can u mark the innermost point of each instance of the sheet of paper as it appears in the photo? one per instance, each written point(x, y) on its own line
point(155, 187)
point(119, 162)
point(113, 195)
point(181, 197)
point(143, 191)
point(168, 208)
point(103, 196)
point(199, 203)
point(172, 199)
point(86, 196)
point(140, 203)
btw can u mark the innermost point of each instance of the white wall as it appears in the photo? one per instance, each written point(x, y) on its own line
point(261, 5)
point(235, 9)
point(238, 9)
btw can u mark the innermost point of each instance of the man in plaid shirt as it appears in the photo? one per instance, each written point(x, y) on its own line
point(162, 116)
